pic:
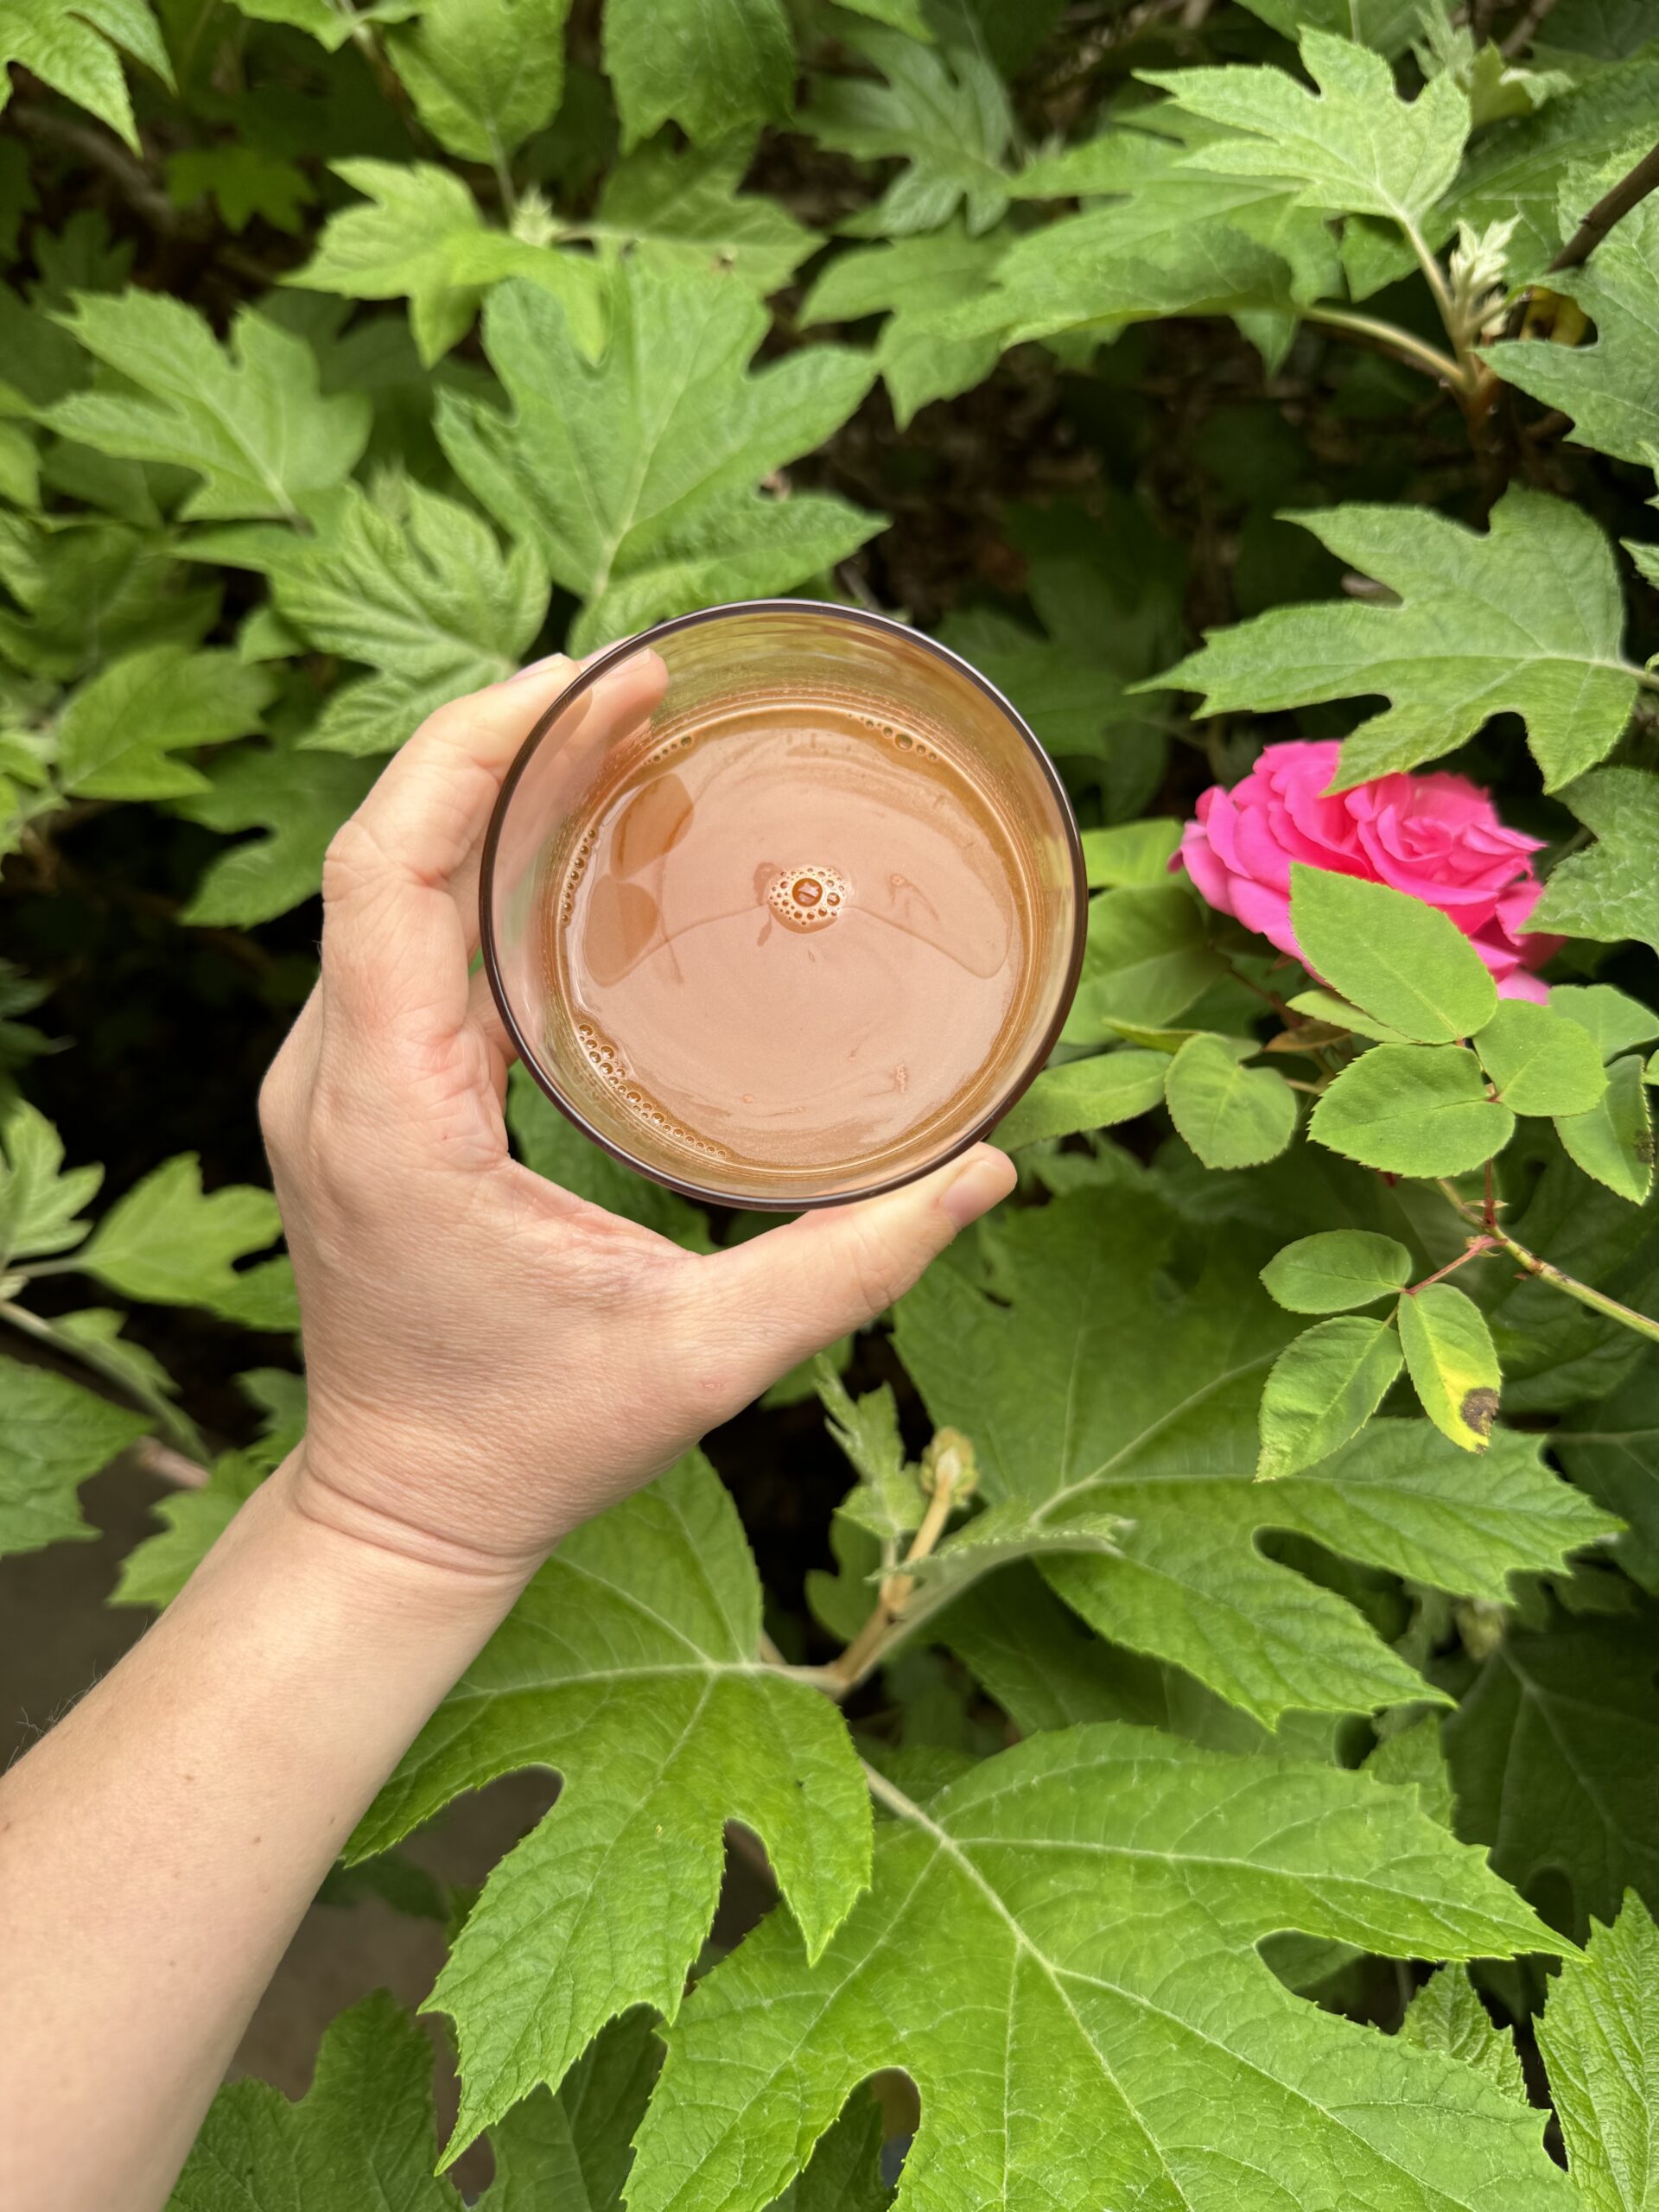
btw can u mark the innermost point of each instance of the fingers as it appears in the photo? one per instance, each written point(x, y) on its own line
point(779, 1298)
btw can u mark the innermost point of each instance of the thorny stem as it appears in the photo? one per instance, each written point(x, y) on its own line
point(1473, 1250)
point(866, 1648)
point(1547, 1271)
point(176, 1426)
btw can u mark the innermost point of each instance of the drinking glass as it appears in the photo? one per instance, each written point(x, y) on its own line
point(624, 717)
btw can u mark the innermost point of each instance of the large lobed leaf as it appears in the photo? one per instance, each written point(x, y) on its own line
point(416, 585)
point(1599, 2036)
point(249, 418)
point(1110, 1389)
point(69, 45)
point(637, 475)
point(1060, 1949)
point(53, 1435)
point(1526, 619)
point(631, 1666)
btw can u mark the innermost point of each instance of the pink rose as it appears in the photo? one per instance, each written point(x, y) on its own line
point(1436, 836)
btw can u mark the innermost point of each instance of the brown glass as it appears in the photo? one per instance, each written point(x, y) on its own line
point(634, 698)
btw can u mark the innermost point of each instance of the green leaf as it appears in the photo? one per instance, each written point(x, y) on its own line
point(1413, 1109)
point(1613, 1140)
point(411, 582)
point(1354, 148)
point(1540, 1060)
point(1615, 1021)
point(1326, 1006)
point(1091, 1094)
point(631, 1664)
point(243, 182)
point(39, 1203)
point(299, 799)
point(711, 66)
point(89, 591)
point(249, 418)
point(1612, 891)
point(1336, 1269)
point(1063, 1930)
point(1610, 1449)
point(1446, 2015)
point(53, 1435)
point(1526, 619)
point(1399, 960)
point(118, 735)
point(888, 1500)
point(1553, 1754)
point(1453, 1366)
point(682, 205)
point(1516, 170)
point(552, 1145)
point(1600, 2037)
point(1609, 389)
point(483, 74)
point(363, 2133)
point(331, 23)
point(156, 1570)
point(1389, 26)
point(1324, 1386)
point(1232, 1117)
point(1133, 854)
point(422, 236)
point(64, 45)
point(637, 476)
point(572, 2151)
point(943, 112)
point(1147, 959)
point(1169, 240)
point(1115, 1377)
point(913, 281)
point(166, 1243)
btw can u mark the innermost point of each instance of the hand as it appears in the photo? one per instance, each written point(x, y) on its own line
point(490, 1358)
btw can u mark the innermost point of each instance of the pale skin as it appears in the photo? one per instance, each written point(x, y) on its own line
point(491, 1360)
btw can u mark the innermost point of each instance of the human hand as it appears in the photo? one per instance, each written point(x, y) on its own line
point(491, 1359)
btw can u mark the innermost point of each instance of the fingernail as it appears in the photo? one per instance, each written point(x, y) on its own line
point(537, 667)
point(987, 1176)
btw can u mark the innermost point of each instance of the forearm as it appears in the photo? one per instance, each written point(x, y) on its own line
point(158, 1848)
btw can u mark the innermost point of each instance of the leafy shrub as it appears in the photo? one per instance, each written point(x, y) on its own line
point(1114, 1794)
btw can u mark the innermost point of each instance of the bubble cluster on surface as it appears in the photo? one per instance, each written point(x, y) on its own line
point(608, 1065)
point(574, 873)
point(907, 741)
point(809, 897)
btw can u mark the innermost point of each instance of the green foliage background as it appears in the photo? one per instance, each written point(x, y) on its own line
point(1267, 1696)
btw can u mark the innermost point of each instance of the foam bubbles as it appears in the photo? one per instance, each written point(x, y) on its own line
point(809, 897)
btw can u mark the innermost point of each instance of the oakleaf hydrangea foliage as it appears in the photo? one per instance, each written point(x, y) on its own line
point(1194, 1744)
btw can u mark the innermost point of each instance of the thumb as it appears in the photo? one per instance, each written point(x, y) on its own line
point(775, 1300)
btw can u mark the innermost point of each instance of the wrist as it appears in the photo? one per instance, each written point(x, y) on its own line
point(387, 1568)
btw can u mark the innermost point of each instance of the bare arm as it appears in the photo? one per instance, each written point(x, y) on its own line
point(490, 1360)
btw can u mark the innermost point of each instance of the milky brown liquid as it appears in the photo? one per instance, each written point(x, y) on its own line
point(791, 936)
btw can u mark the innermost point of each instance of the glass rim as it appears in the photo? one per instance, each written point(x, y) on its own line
point(1029, 1067)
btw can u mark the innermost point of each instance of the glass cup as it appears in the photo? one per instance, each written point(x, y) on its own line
point(880, 743)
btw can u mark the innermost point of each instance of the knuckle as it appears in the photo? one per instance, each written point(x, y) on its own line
point(878, 1269)
point(351, 856)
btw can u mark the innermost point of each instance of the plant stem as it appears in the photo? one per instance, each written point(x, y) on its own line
point(1473, 1250)
point(867, 1647)
point(1526, 29)
point(1429, 262)
point(177, 1427)
point(1629, 192)
point(1547, 1271)
point(1415, 352)
point(1596, 1300)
